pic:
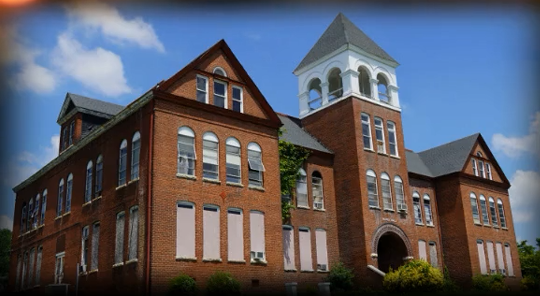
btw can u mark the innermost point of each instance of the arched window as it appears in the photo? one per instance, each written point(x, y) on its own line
point(382, 87)
point(69, 189)
point(122, 163)
point(220, 71)
point(30, 214)
point(400, 196)
point(417, 208)
point(23, 218)
point(335, 85)
point(386, 192)
point(186, 151)
point(301, 189)
point(256, 166)
point(364, 83)
point(493, 212)
point(135, 155)
point(501, 213)
point(427, 210)
point(88, 186)
point(210, 156)
point(366, 131)
point(60, 198)
point(392, 138)
point(479, 154)
point(483, 208)
point(315, 94)
point(36, 214)
point(99, 175)
point(317, 190)
point(379, 135)
point(43, 207)
point(372, 189)
point(233, 161)
point(474, 207)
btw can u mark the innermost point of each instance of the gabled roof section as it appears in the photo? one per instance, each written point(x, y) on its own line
point(88, 106)
point(340, 32)
point(294, 133)
point(222, 45)
point(416, 165)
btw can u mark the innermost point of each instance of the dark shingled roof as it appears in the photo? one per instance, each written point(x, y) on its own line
point(416, 165)
point(294, 133)
point(342, 31)
point(92, 106)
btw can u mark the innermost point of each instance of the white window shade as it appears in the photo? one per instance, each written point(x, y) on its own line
point(257, 233)
point(288, 249)
point(422, 250)
point(322, 254)
point(305, 249)
point(481, 257)
point(500, 260)
point(185, 230)
point(235, 232)
point(491, 257)
point(509, 263)
point(211, 241)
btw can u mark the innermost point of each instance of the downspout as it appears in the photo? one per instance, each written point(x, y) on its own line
point(149, 197)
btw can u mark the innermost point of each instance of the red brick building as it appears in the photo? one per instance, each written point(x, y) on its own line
point(186, 179)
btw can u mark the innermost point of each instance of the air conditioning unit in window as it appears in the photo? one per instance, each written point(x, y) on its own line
point(257, 256)
point(318, 205)
point(402, 207)
point(321, 267)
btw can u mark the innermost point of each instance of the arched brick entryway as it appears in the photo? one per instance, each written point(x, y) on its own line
point(391, 245)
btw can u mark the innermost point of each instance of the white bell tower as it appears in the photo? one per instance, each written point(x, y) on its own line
point(346, 62)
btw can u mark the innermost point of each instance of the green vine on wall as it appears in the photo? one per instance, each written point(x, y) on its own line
point(291, 158)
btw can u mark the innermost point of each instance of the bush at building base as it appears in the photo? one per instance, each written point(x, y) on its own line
point(415, 276)
point(340, 278)
point(222, 283)
point(183, 284)
point(491, 283)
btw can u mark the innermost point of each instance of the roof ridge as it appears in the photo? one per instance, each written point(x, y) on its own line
point(450, 142)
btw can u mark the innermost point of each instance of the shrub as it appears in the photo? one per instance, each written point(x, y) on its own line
point(183, 284)
point(222, 283)
point(529, 283)
point(340, 277)
point(413, 277)
point(492, 283)
point(448, 284)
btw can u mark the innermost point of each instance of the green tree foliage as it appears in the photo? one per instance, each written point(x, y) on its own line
point(415, 276)
point(340, 277)
point(222, 283)
point(5, 247)
point(183, 284)
point(489, 283)
point(529, 258)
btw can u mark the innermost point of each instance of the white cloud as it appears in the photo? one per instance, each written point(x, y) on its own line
point(516, 146)
point(525, 195)
point(6, 222)
point(98, 69)
point(113, 25)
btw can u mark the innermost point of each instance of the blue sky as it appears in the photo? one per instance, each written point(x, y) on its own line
point(463, 70)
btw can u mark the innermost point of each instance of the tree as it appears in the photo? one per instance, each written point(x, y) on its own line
point(5, 247)
point(529, 258)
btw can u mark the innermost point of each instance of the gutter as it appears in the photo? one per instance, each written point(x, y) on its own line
point(149, 198)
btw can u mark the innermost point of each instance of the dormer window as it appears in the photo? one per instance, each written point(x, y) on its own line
point(237, 99)
point(64, 138)
point(220, 71)
point(202, 89)
point(71, 132)
point(220, 94)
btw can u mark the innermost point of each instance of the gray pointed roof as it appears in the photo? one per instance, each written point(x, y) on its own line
point(294, 133)
point(89, 106)
point(342, 31)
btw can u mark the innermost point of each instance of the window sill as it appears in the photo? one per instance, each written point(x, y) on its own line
point(133, 181)
point(93, 271)
point(235, 184)
point(374, 208)
point(87, 204)
point(395, 156)
point(259, 262)
point(319, 210)
point(307, 271)
point(487, 225)
point(389, 210)
point(382, 153)
point(373, 255)
point(404, 212)
point(118, 264)
point(66, 213)
point(212, 260)
point(290, 270)
point(58, 218)
point(419, 224)
point(258, 188)
point(303, 207)
point(132, 261)
point(430, 225)
point(237, 261)
point(504, 228)
point(83, 273)
point(184, 176)
point(213, 181)
point(121, 186)
point(369, 150)
point(186, 258)
point(323, 271)
point(43, 225)
point(97, 198)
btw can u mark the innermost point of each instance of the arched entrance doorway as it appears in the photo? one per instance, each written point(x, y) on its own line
point(391, 245)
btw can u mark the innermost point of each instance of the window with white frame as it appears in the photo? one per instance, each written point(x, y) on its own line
point(122, 163)
point(185, 230)
point(220, 71)
point(483, 208)
point(400, 195)
point(366, 132)
point(119, 245)
point(493, 212)
point(474, 208)
point(237, 99)
point(256, 228)
point(30, 213)
point(372, 189)
point(386, 192)
point(317, 190)
point(38, 265)
point(202, 89)
point(481, 256)
point(235, 235)
point(233, 161)
point(211, 233)
point(392, 138)
point(509, 263)
point(427, 210)
point(322, 254)
point(379, 135)
point(60, 198)
point(500, 259)
point(501, 213)
point(474, 167)
point(304, 237)
point(135, 155)
point(84, 248)
point(210, 156)
point(31, 267)
point(301, 189)
point(69, 191)
point(95, 246)
point(288, 248)
point(99, 175)
point(220, 94)
point(35, 214)
point(422, 253)
point(43, 207)
point(433, 255)
point(88, 185)
point(488, 171)
point(417, 208)
point(481, 171)
point(186, 151)
point(256, 167)
point(133, 235)
point(491, 257)
point(59, 268)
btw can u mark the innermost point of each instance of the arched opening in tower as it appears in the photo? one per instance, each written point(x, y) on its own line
point(391, 251)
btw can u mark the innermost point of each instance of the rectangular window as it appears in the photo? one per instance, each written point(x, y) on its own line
point(133, 232)
point(288, 248)
point(501, 213)
point(210, 160)
point(31, 268)
point(417, 209)
point(202, 89)
point(59, 268)
point(427, 211)
point(69, 189)
point(400, 197)
point(220, 94)
point(60, 198)
point(237, 104)
point(135, 155)
point(84, 248)
point(305, 249)
point(500, 260)
point(119, 246)
point(43, 208)
point(509, 263)
point(379, 134)
point(433, 255)
point(99, 176)
point(392, 141)
point(322, 254)
point(366, 132)
point(301, 191)
point(235, 233)
point(474, 168)
point(317, 192)
point(256, 168)
point(372, 191)
point(481, 169)
point(481, 257)
point(493, 212)
point(257, 236)
point(386, 194)
point(88, 184)
point(233, 164)
point(483, 208)
point(24, 271)
point(71, 131)
point(185, 230)
point(64, 138)
point(488, 170)
point(491, 258)
point(422, 250)
point(18, 275)
point(122, 166)
point(38, 265)
point(95, 246)
point(211, 241)
point(186, 155)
